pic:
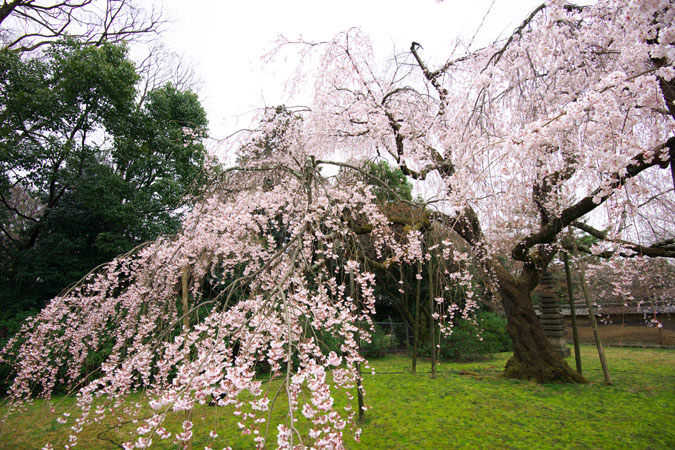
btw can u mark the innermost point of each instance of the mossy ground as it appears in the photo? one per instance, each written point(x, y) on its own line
point(468, 405)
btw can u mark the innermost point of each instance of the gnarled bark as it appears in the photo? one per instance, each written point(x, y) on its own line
point(533, 357)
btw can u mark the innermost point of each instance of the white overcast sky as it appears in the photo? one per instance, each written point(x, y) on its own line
point(224, 40)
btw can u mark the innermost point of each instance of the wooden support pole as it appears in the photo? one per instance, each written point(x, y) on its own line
point(573, 313)
point(359, 387)
point(186, 329)
point(594, 324)
point(392, 340)
point(416, 326)
point(432, 324)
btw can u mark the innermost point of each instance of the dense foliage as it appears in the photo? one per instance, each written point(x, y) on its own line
point(483, 335)
point(86, 172)
point(396, 186)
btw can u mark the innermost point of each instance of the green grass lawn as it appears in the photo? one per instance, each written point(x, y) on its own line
point(468, 405)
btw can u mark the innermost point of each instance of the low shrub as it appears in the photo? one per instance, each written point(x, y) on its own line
point(471, 341)
point(379, 343)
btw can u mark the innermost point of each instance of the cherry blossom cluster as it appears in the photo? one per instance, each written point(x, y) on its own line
point(271, 255)
point(282, 265)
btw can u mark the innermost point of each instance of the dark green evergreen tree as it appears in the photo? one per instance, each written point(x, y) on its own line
point(86, 172)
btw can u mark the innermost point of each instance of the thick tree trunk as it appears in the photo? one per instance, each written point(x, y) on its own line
point(533, 357)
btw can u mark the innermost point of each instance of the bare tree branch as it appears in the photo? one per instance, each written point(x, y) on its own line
point(657, 250)
point(28, 25)
point(547, 233)
point(494, 59)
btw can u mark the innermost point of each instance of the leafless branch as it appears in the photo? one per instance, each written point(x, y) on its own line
point(660, 249)
point(548, 232)
point(494, 59)
point(29, 26)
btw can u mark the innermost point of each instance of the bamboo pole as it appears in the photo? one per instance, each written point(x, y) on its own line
point(432, 340)
point(186, 328)
point(359, 388)
point(573, 313)
point(392, 340)
point(416, 326)
point(594, 324)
